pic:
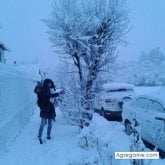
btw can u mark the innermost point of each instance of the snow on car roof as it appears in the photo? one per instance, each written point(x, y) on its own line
point(116, 86)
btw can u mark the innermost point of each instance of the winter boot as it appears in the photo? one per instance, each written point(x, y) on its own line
point(40, 140)
point(48, 137)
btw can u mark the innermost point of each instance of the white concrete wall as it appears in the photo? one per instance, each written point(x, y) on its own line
point(16, 103)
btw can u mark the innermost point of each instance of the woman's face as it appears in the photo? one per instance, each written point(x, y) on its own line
point(49, 84)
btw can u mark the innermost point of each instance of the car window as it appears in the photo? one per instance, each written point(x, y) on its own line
point(157, 106)
point(144, 103)
point(120, 90)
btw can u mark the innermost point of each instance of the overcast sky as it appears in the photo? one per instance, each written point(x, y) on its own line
point(148, 27)
point(25, 35)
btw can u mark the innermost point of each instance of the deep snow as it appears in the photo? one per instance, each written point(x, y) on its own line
point(64, 147)
point(26, 150)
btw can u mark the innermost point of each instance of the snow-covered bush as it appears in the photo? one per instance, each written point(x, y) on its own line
point(90, 137)
point(102, 137)
point(71, 105)
point(16, 103)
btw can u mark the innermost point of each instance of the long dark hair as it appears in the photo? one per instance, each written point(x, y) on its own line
point(46, 82)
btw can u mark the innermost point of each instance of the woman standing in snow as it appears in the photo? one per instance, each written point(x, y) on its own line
point(47, 110)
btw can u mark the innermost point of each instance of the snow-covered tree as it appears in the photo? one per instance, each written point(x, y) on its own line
point(88, 33)
point(148, 70)
point(151, 67)
point(155, 55)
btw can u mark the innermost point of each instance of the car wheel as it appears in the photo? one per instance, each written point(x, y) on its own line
point(102, 112)
point(128, 128)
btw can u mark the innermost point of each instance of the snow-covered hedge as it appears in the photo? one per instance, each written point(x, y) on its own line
point(16, 103)
point(103, 138)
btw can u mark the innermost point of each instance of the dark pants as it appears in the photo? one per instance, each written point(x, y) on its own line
point(43, 123)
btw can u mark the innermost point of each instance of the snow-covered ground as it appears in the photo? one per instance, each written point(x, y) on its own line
point(65, 148)
point(26, 150)
point(62, 149)
point(157, 91)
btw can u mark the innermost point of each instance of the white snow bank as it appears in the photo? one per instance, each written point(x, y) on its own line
point(105, 138)
point(16, 103)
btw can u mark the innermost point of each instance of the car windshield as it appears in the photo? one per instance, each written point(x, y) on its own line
point(157, 106)
point(143, 102)
point(150, 104)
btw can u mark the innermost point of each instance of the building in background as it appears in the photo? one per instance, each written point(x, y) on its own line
point(2, 54)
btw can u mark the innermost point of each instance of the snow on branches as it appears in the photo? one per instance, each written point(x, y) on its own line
point(88, 32)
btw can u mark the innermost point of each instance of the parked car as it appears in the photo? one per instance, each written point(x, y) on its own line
point(110, 100)
point(150, 114)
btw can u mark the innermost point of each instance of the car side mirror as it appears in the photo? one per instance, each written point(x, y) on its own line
point(133, 114)
point(160, 116)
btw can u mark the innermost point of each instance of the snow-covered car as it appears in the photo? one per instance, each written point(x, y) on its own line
point(109, 101)
point(150, 114)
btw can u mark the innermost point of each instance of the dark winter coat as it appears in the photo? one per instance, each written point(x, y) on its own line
point(47, 108)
